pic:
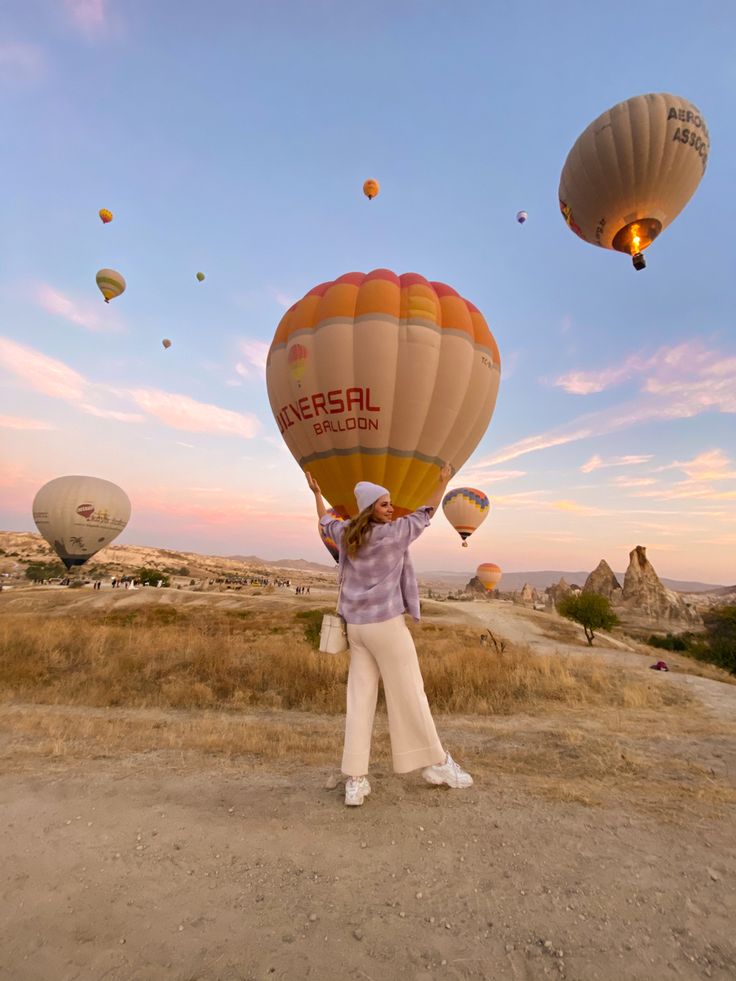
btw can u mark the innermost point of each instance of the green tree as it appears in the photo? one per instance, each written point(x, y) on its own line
point(720, 633)
point(591, 611)
point(150, 577)
point(38, 571)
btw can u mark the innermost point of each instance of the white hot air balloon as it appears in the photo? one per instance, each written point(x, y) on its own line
point(80, 515)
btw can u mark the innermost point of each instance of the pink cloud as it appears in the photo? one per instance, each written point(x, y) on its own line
point(254, 354)
point(88, 16)
point(16, 422)
point(182, 412)
point(597, 463)
point(41, 373)
point(82, 314)
point(21, 62)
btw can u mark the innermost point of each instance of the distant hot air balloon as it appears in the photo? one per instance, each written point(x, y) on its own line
point(466, 509)
point(489, 574)
point(632, 171)
point(200, 277)
point(111, 283)
point(105, 215)
point(329, 543)
point(400, 376)
point(80, 515)
point(521, 217)
point(371, 189)
point(166, 342)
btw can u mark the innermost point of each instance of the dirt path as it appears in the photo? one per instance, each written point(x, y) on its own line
point(144, 870)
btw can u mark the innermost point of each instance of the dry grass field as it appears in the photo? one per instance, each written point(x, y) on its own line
point(173, 808)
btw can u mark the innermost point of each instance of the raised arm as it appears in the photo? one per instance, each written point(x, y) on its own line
point(314, 487)
point(435, 498)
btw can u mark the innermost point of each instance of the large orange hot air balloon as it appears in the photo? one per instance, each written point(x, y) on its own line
point(489, 574)
point(466, 509)
point(400, 376)
point(632, 171)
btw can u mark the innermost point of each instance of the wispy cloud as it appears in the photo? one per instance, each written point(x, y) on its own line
point(684, 382)
point(473, 475)
point(182, 412)
point(590, 382)
point(254, 358)
point(17, 422)
point(598, 463)
point(83, 313)
point(707, 466)
point(41, 373)
point(53, 378)
point(625, 481)
point(283, 299)
point(21, 63)
point(90, 17)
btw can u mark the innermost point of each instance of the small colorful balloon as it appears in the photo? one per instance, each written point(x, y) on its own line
point(110, 283)
point(105, 215)
point(489, 574)
point(371, 189)
point(166, 343)
point(466, 509)
point(200, 277)
point(521, 217)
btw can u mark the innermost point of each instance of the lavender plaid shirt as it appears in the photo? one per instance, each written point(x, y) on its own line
point(378, 583)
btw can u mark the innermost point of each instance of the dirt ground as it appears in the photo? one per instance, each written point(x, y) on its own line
point(166, 864)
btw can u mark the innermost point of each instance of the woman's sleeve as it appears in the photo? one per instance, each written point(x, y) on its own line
point(409, 528)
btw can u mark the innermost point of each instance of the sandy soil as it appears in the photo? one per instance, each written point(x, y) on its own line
point(162, 865)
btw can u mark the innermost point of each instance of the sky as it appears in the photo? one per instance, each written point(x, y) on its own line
point(234, 138)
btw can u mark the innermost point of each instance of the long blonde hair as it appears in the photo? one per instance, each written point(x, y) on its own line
point(358, 531)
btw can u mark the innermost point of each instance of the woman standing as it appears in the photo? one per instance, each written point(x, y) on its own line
point(378, 586)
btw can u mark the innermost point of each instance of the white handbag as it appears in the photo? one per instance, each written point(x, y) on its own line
point(333, 637)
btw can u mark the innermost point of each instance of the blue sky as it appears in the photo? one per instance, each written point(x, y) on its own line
point(234, 138)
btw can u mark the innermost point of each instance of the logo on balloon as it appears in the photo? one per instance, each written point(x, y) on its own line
point(86, 511)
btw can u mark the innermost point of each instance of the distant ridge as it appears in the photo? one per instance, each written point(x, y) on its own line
point(512, 581)
point(301, 564)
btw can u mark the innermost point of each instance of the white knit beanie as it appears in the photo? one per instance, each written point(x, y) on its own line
point(367, 493)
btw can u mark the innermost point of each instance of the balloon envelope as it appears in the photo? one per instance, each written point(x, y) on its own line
point(371, 189)
point(80, 515)
point(105, 215)
point(489, 574)
point(633, 170)
point(521, 217)
point(329, 543)
point(110, 283)
point(466, 509)
point(166, 342)
point(200, 277)
point(400, 375)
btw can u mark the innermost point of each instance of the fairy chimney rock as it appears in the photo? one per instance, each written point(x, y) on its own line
point(603, 582)
point(559, 591)
point(644, 594)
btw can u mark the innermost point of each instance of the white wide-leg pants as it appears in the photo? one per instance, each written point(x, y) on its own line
point(386, 650)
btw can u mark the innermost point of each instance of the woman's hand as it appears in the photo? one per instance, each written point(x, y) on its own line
point(445, 473)
point(313, 485)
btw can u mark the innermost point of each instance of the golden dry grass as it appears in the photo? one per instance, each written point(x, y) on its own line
point(234, 660)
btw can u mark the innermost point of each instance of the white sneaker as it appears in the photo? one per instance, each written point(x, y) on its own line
point(356, 790)
point(448, 772)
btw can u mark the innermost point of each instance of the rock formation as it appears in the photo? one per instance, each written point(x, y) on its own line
point(644, 595)
point(603, 582)
point(559, 591)
point(527, 596)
